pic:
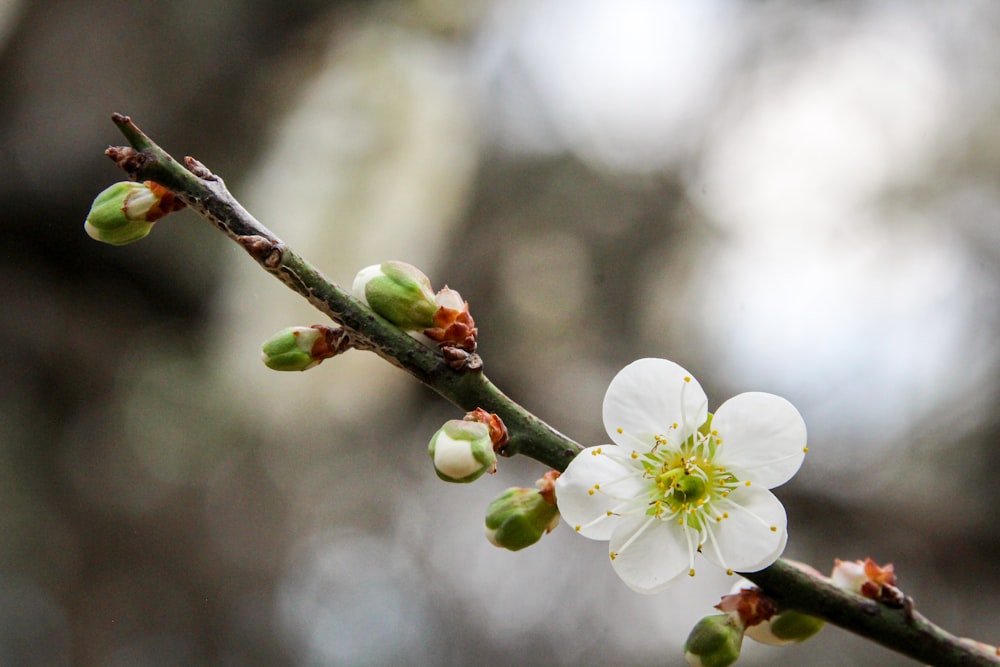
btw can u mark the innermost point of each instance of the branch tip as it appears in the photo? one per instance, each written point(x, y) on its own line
point(135, 136)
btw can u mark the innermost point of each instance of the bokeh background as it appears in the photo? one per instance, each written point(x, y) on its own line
point(800, 198)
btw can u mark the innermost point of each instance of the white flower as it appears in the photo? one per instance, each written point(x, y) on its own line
point(679, 481)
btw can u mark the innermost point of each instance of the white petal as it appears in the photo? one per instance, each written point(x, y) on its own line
point(763, 438)
point(361, 281)
point(620, 486)
point(745, 541)
point(654, 558)
point(647, 397)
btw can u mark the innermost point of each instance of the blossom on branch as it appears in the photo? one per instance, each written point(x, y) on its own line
point(680, 481)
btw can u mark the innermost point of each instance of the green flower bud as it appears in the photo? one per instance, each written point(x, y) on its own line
point(126, 211)
point(291, 349)
point(462, 451)
point(787, 627)
point(399, 292)
point(715, 641)
point(519, 517)
point(301, 348)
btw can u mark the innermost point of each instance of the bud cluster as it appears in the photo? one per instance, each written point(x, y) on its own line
point(748, 611)
point(402, 294)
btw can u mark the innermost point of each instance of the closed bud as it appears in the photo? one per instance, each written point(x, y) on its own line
point(399, 292)
point(462, 451)
point(787, 627)
point(301, 348)
point(869, 579)
point(715, 641)
point(519, 517)
point(762, 619)
point(126, 211)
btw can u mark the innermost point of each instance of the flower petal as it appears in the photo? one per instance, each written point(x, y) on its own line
point(650, 554)
point(598, 481)
point(745, 541)
point(647, 397)
point(763, 438)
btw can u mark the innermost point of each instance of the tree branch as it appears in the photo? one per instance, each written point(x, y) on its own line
point(900, 629)
point(206, 193)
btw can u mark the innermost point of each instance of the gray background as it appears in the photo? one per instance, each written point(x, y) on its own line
point(784, 197)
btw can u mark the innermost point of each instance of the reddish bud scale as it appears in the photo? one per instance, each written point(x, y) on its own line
point(498, 431)
point(334, 341)
point(454, 328)
point(168, 202)
point(547, 486)
point(750, 604)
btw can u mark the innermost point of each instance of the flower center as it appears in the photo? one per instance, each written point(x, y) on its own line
point(685, 481)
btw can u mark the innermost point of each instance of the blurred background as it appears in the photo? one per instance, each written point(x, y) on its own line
point(799, 198)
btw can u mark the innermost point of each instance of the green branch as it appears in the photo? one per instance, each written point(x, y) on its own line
point(205, 192)
point(900, 629)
